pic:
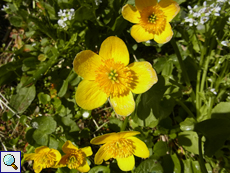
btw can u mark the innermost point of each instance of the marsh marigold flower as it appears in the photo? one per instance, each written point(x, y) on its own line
point(75, 158)
point(151, 19)
point(107, 75)
point(120, 146)
point(44, 157)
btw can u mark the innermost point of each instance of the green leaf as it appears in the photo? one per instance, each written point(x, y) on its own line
point(153, 106)
point(63, 89)
point(53, 143)
point(115, 124)
point(177, 165)
point(160, 149)
point(16, 21)
point(188, 124)
point(24, 97)
point(189, 140)
point(99, 169)
point(40, 137)
point(221, 111)
point(216, 131)
point(150, 165)
point(49, 9)
point(84, 13)
point(23, 119)
point(43, 98)
point(45, 124)
point(72, 126)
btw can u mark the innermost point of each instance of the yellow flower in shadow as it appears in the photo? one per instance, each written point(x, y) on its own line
point(151, 19)
point(108, 75)
point(75, 158)
point(121, 146)
point(44, 157)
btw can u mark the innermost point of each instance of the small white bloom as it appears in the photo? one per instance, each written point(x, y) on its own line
point(61, 23)
point(224, 43)
point(204, 19)
point(5, 7)
point(213, 91)
point(86, 114)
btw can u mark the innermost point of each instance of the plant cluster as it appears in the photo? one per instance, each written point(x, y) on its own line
point(116, 85)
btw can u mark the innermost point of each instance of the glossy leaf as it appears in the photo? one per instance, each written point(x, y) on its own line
point(45, 124)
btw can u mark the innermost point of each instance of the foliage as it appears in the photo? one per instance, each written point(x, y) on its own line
point(184, 119)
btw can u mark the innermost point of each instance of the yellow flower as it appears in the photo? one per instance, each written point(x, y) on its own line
point(107, 75)
point(151, 19)
point(43, 157)
point(75, 158)
point(120, 146)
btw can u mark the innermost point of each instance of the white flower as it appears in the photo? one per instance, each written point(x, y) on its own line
point(216, 10)
point(213, 91)
point(191, 21)
point(224, 43)
point(5, 7)
point(204, 19)
point(61, 23)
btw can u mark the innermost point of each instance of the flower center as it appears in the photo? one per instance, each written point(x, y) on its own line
point(153, 19)
point(121, 148)
point(46, 160)
point(114, 78)
point(76, 159)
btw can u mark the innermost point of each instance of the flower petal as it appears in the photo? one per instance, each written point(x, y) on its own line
point(84, 168)
point(144, 76)
point(85, 64)
point(130, 13)
point(63, 161)
point(69, 148)
point(89, 96)
point(87, 151)
point(141, 148)
point(139, 34)
point(123, 105)
point(114, 48)
point(165, 36)
point(126, 164)
point(29, 156)
point(127, 134)
point(102, 154)
point(170, 8)
point(42, 149)
point(55, 155)
point(140, 4)
point(105, 138)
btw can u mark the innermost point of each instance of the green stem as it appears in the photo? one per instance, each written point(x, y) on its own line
point(182, 66)
point(185, 108)
point(201, 159)
point(125, 123)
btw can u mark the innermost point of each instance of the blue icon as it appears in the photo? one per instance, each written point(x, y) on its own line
point(9, 160)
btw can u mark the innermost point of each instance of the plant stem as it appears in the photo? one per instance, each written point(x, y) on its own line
point(185, 108)
point(201, 159)
point(182, 66)
point(125, 123)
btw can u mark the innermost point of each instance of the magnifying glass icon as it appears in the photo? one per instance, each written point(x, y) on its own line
point(9, 160)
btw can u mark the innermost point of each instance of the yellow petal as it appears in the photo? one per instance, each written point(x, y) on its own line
point(141, 149)
point(144, 76)
point(139, 34)
point(87, 151)
point(126, 164)
point(42, 149)
point(84, 168)
point(64, 160)
point(114, 48)
point(29, 156)
point(69, 148)
point(130, 13)
point(165, 36)
point(140, 4)
point(170, 8)
point(85, 64)
point(123, 105)
point(56, 155)
point(127, 134)
point(89, 96)
point(102, 154)
point(37, 167)
point(105, 138)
